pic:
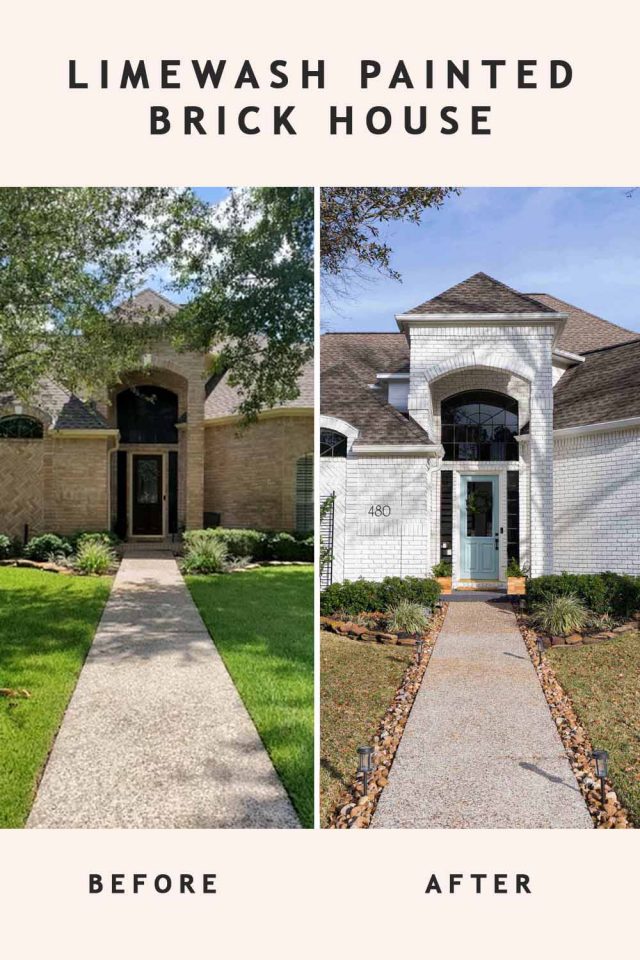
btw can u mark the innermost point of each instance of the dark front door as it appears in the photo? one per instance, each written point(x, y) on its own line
point(147, 495)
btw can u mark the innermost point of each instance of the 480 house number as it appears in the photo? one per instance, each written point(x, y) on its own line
point(379, 510)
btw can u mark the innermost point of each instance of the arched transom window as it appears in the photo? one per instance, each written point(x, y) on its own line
point(332, 443)
point(479, 425)
point(147, 414)
point(19, 427)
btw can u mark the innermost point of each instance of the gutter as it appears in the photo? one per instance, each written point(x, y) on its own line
point(605, 426)
point(398, 449)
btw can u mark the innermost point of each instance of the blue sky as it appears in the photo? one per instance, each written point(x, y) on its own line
point(582, 245)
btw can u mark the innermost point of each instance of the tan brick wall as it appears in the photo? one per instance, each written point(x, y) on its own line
point(250, 477)
point(21, 486)
point(76, 484)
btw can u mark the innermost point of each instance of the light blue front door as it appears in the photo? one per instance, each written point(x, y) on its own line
point(479, 527)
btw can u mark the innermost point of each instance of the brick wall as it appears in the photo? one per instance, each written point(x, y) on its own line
point(75, 477)
point(21, 486)
point(597, 502)
point(250, 476)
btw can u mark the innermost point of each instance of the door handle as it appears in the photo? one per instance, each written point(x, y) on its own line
point(496, 542)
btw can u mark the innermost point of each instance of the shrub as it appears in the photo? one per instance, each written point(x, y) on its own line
point(359, 596)
point(93, 536)
point(39, 548)
point(205, 555)
point(285, 547)
point(407, 617)
point(6, 546)
point(238, 543)
point(442, 568)
point(560, 615)
point(613, 593)
point(94, 558)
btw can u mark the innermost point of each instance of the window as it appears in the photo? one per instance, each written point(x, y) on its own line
point(332, 443)
point(480, 425)
point(20, 428)
point(147, 414)
point(513, 515)
point(304, 493)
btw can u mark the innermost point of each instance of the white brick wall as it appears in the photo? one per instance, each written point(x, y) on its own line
point(597, 503)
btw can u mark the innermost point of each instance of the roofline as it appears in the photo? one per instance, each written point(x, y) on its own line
point(613, 346)
point(604, 426)
point(427, 318)
point(79, 432)
point(567, 355)
point(262, 415)
point(399, 449)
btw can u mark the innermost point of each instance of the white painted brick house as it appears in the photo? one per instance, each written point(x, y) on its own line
point(495, 425)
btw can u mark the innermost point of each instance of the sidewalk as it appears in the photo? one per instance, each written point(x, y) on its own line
point(480, 748)
point(155, 734)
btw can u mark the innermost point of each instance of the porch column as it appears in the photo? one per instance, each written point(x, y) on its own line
point(541, 477)
point(194, 473)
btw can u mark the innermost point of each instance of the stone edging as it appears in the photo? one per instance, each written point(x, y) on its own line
point(575, 740)
point(354, 809)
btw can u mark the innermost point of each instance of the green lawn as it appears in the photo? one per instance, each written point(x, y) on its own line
point(47, 623)
point(262, 624)
point(358, 683)
point(603, 681)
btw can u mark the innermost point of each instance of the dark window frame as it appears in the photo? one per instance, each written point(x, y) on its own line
point(479, 426)
point(139, 421)
point(332, 443)
point(35, 431)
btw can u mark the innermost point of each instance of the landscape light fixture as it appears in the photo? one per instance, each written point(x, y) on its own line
point(540, 643)
point(419, 648)
point(365, 766)
point(601, 758)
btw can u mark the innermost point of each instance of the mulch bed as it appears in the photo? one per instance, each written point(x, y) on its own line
point(34, 565)
point(355, 809)
point(578, 747)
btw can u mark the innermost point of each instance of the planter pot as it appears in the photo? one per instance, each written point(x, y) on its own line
point(516, 586)
point(445, 584)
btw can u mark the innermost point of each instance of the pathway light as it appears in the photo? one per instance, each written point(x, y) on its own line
point(601, 758)
point(365, 766)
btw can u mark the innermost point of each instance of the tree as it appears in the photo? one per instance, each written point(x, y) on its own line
point(68, 259)
point(351, 218)
point(248, 269)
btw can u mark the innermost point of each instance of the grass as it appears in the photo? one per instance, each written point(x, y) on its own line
point(359, 681)
point(47, 623)
point(603, 681)
point(262, 624)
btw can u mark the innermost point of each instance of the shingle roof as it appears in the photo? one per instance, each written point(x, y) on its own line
point(223, 399)
point(346, 397)
point(585, 331)
point(605, 387)
point(349, 363)
point(65, 410)
point(481, 294)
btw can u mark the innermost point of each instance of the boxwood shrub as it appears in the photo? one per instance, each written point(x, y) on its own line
point(256, 544)
point(359, 596)
point(39, 548)
point(613, 593)
point(6, 546)
point(285, 547)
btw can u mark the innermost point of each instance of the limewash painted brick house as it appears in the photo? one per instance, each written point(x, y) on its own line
point(494, 425)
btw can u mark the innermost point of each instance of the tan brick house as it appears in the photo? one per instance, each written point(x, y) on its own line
point(162, 453)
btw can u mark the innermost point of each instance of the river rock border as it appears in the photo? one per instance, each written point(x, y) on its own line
point(575, 739)
point(355, 809)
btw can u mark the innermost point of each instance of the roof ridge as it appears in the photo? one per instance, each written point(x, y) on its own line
point(590, 313)
point(613, 346)
point(470, 296)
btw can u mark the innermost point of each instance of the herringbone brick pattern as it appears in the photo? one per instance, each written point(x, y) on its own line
point(21, 486)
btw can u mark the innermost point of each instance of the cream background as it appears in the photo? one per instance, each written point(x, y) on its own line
point(586, 134)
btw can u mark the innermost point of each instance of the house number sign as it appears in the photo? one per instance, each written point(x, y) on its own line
point(379, 510)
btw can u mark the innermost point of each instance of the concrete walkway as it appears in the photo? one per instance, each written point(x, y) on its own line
point(480, 748)
point(155, 734)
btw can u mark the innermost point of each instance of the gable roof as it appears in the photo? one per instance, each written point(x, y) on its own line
point(223, 399)
point(605, 387)
point(584, 331)
point(65, 410)
point(344, 395)
point(481, 294)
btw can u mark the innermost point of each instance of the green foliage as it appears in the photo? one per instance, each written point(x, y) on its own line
point(613, 593)
point(407, 617)
point(69, 256)
point(39, 548)
point(358, 596)
point(515, 570)
point(351, 219)
point(442, 569)
point(94, 558)
point(285, 547)
point(6, 547)
point(560, 615)
point(94, 536)
point(205, 555)
point(249, 272)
